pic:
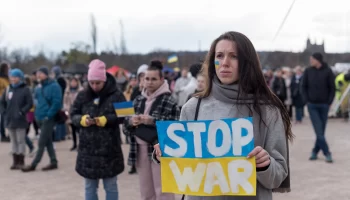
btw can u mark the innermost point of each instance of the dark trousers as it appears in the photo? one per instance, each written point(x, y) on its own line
point(290, 111)
point(60, 132)
point(299, 113)
point(74, 134)
point(45, 140)
point(28, 141)
point(36, 127)
point(2, 126)
point(319, 116)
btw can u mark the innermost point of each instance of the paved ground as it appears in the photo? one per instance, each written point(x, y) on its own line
point(310, 180)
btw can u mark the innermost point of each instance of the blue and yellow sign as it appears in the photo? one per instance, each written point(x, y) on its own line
point(207, 158)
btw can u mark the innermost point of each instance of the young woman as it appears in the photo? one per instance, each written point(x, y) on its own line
point(237, 88)
point(69, 97)
point(16, 102)
point(122, 80)
point(100, 154)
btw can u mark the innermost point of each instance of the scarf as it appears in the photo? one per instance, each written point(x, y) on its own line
point(72, 89)
point(229, 94)
point(16, 85)
point(150, 98)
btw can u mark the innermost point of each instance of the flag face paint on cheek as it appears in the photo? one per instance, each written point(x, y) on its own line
point(217, 64)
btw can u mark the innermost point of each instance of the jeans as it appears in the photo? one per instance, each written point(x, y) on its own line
point(29, 143)
point(109, 184)
point(18, 140)
point(60, 132)
point(319, 116)
point(45, 140)
point(299, 113)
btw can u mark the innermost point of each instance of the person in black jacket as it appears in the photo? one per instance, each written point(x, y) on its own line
point(60, 132)
point(16, 102)
point(100, 154)
point(297, 98)
point(279, 86)
point(318, 89)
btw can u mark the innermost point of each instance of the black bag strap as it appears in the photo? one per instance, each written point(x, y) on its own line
point(197, 108)
point(195, 118)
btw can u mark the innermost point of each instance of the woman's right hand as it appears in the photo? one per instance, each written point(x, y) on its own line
point(135, 120)
point(158, 152)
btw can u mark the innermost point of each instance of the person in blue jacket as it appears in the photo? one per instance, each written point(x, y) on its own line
point(49, 101)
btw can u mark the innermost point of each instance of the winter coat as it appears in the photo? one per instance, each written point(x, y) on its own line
point(135, 92)
point(318, 86)
point(179, 94)
point(62, 83)
point(279, 88)
point(16, 103)
point(4, 82)
point(99, 154)
point(69, 97)
point(295, 88)
point(48, 97)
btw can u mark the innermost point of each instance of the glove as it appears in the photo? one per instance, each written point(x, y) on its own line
point(83, 121)
point(101, 121)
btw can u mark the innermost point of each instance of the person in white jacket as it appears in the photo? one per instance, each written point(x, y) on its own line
point(181, 82)
point(190, 88)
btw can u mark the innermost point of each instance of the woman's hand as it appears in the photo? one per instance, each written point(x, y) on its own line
point(147, 120)
point(158, 153)
point(135, 120)
point(262, 158)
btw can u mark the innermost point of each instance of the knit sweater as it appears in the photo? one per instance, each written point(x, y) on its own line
point(272, 139)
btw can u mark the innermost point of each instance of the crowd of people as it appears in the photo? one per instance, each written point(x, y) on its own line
point(230, 83)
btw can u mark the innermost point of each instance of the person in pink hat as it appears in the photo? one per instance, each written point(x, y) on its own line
point(99, 153)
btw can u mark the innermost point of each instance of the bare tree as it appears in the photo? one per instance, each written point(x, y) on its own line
point(1, 36)
point(3, 51)
point(93, 32)
point(122, 39)
point(115, 47)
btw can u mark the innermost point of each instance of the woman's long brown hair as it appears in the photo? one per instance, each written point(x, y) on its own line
point(251, 78)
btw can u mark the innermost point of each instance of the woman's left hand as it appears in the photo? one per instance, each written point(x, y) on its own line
point(262, 158)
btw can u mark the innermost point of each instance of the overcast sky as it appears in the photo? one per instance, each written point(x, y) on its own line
point(174, 24)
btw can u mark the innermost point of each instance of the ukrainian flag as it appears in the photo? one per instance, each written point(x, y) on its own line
point(172, 59)
point(124, 109)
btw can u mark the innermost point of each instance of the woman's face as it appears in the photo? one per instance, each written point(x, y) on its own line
point(226, 62)
point(133, 82)
point(14, 79)
point(96, 86)
point(73, 83)
point(201, 82)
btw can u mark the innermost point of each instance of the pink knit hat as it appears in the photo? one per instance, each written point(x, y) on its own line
point(97, 71)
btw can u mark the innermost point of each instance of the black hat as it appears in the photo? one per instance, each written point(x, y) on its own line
point(132, 76)
point(195, 69)
point(318, 56)
point(44, 70)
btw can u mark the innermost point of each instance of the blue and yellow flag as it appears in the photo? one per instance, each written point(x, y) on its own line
point(172, 59)
point(124, 109)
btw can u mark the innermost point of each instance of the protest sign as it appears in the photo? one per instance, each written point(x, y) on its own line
point(208, 157)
